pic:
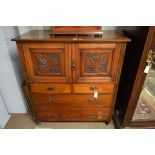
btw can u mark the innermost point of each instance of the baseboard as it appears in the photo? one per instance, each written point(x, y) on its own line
point(5, 121)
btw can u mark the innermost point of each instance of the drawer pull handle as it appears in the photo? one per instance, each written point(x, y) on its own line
point(51, 100)
point(91, 114)
point(51, 88)
point(93, 100)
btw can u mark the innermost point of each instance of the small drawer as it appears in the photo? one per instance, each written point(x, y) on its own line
point(72, 100)
point(73, 114)
point(89, 88)
point(50, 88)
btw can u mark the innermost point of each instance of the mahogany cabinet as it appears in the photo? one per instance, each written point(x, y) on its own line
point(135, 101)
point(71, 78)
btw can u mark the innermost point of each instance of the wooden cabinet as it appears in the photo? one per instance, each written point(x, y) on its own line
point(135, 102)
point(63, 74)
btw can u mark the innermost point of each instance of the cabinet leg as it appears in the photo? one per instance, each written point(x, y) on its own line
point(38, 123)
point(107, 122)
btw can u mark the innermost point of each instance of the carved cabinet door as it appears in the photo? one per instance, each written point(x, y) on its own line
point(47, 62)
point(95, 62)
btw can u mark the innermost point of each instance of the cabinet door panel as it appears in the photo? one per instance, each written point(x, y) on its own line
point(95, 62)
point(47, 62)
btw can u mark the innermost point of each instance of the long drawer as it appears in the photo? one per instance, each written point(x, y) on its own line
point(73, 114)
point(72, 100)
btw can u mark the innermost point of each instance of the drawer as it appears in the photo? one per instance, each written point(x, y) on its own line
point(88, 88)
point(72, 100)
point(73, 114)
point(50, 88)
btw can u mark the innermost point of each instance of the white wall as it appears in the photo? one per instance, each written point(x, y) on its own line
point(109, 27)
point(11, 76)
point(4, 116)
point(24, 29)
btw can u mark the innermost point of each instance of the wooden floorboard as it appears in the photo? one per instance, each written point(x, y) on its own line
point(24, 121)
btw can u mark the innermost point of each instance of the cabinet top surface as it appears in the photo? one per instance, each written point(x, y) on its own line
point(44, 36)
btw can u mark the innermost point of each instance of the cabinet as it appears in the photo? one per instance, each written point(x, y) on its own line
point(63, 74)
point(135, 101)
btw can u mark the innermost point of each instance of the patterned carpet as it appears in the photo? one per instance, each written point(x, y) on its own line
point(143, 110)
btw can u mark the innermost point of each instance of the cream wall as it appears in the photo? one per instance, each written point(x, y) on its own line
point(109, 27)
point(24, 29)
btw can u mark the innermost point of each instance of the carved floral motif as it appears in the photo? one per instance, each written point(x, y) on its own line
point(48, 63)
point(96, 63)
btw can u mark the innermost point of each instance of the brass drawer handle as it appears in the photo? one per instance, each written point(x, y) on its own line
point(93, 100)
point(54, 114)
point(50, 88)
point(51, 100)
point(93, 88)
point(91, 114)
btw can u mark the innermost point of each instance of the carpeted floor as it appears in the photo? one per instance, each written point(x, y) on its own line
point(24, 121)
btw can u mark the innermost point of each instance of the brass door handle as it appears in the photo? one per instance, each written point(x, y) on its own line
point(150, 61)
point(73, 66)
point(151, 57)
